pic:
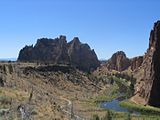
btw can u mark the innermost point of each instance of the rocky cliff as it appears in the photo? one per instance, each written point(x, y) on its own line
point(148, 85)
point(46, 50)
point(81, 55)
point(118, 62)
point(146, 69)
point(136, 62)
point(58, 51)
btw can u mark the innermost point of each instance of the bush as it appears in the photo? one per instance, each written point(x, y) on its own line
point(96, 117)
point(128, 116)
point(109, 115)
point(5, 100)
point(140, 108)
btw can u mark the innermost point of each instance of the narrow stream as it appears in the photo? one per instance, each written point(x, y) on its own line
point(114, 105)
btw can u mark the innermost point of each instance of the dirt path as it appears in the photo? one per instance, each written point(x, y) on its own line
point(69, 105)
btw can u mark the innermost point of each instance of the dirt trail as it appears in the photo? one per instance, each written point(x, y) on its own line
point(69, 105)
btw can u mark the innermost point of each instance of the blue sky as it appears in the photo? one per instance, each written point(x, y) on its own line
point(106, 25)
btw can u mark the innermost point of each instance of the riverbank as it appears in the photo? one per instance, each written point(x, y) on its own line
point(140, 108)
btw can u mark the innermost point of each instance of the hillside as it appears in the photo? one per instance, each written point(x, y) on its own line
point(43, 91)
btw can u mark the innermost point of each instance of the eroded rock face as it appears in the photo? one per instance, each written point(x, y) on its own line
point(82, 56)
point(154, 49)
point(149, 83)
point(58, 51)
point(136, 62)
point(46, 50)
point(118, 62)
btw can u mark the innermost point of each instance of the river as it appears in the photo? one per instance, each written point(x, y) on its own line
point(114, 105)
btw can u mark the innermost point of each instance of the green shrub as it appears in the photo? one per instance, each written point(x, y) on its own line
point(5, 100)
point(140, 108)
point(128, 116)
point(96, 117)
point(109, 115)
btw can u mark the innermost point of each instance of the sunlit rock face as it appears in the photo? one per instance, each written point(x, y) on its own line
point(148, 85)
point(58, 51)
point(46, 50)
point(82, 56)
point(136, 62)
point(118, 62)
point(154, 48)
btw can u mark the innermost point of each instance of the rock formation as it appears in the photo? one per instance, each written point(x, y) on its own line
point(58, 51)
point(136, 62)
point(148, 85)
point(118, 62)
point(146, 69)
point(46, 50)
point(81, 55)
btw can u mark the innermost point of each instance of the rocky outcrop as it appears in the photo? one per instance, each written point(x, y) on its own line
point(148, 85)
point(136, 62)
point(46, 50)
point(82, 56)
point(118, 62)
point(58, 51)
point(146, 69)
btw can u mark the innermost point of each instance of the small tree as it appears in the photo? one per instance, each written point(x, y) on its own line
point(96, 117)
point(110, 114)
point(128, 116)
